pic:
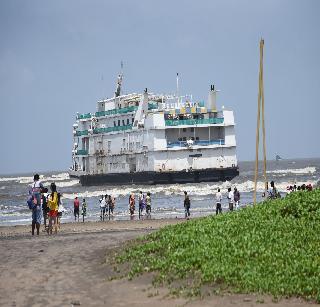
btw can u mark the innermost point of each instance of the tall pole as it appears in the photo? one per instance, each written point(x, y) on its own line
point(260, 112)
point(263, 131)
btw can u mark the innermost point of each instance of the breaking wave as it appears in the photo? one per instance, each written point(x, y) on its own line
point(178, 189)
point(29, 179)
point(297, 171)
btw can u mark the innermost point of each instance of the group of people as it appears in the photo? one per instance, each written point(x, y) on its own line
point(303, 187)
point(48, 205)
point(144, 202)
point(233, 200)
point(107, 205)
point(76, 208)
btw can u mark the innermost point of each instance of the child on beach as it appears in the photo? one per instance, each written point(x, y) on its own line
point(84, 209)
point(53, 204)
point(35, 203)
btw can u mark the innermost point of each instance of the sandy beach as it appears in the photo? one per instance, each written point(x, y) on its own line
point(70, 269)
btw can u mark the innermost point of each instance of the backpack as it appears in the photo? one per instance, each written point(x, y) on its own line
point(30, 202)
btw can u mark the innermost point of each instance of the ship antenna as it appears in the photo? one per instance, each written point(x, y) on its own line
point(119, 82)
point(177, 87)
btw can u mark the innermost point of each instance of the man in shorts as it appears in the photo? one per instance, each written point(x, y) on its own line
point(76, 205)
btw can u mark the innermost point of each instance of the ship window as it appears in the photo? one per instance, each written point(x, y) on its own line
point(118, 122)
point(180, 139)
point(184, 138)
point(197, 138)
point(128, 121)
point(192, 129)
point(114, 124)
point(184, 129)
point(123, 122)
point(192, 138)
point(132, 120)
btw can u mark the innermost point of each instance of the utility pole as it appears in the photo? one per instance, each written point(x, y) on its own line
point(260, 111)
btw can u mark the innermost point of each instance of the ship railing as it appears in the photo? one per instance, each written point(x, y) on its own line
point(111, 129)
point(151, 106)
point(196, 143)
point(81, 133)
point(82, 152)
point(178, 122)
point(116, 111)
point(84, 116)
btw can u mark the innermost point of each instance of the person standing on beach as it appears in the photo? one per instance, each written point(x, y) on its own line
point(273, 192)
point(230, 199)
point(186, 205)
point(76, 207)
point(218, 202)
point(45, 209)
point(148, 205)
point(61, 209)
point(236, 197)
point(131, 205)
point(103, 207)
point(111, 204)
point(36, 190)
point(140, 198)
point(53, 204)
point(84, 209)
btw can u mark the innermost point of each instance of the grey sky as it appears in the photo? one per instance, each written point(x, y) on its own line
point(59, 57)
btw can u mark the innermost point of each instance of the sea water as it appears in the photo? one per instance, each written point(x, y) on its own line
point(167, 200)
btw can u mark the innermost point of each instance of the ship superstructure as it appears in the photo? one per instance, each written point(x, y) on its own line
point(154, 138)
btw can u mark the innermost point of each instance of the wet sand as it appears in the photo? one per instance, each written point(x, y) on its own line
point(69, 269)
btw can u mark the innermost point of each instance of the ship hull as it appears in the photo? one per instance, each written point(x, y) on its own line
point(194, 176)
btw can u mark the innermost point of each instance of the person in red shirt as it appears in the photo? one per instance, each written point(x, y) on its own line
point(76, 205)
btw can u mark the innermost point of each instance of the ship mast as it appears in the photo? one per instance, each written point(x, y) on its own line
point(119, 82)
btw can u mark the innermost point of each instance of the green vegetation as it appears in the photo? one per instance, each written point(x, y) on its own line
point(273, 248)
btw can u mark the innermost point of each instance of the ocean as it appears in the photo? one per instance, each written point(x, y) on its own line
point(167, 200)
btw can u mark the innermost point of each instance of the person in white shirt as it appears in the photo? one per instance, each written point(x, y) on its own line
point(61, 209)
point(103, 205)
point(218, 202)
point(230, 199)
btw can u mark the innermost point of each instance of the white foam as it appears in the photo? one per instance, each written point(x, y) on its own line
point(297, 171)
point(29, 179)
point(178, 189)
point(62, 184)
point(18, 179)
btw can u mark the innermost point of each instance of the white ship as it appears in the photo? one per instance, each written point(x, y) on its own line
point(154, 139)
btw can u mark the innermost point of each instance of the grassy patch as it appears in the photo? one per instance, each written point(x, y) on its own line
point(271, 248)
